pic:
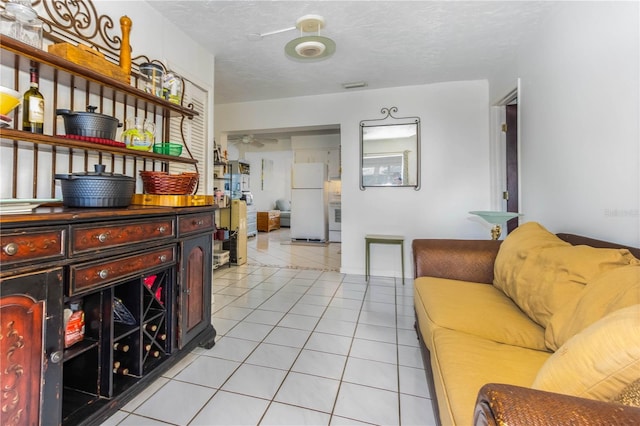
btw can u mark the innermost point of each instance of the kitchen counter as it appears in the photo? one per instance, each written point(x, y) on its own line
point(60, 214)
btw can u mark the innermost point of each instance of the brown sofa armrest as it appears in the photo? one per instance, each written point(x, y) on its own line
point(467, 260)
point(500, 404)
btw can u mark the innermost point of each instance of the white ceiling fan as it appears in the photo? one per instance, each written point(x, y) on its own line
point(306, 47)
point(250, 140)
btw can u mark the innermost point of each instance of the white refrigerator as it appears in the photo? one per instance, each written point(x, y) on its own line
point(309, 200)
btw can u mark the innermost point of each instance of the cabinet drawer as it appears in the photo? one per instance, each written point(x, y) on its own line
point(34, 246)
point(189, 224)
point(94, 275)
point(112, 235)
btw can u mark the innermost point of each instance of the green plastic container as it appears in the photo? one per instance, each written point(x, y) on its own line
point(168, 148)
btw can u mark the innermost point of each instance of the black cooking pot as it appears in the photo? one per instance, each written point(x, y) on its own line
point(96, 189)
point(90, 123)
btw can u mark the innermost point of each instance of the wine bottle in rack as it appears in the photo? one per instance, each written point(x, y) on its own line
point(161, 336)
point(121, 370)
point(116, 365)
point(121, 347)
point(154, 353)
point(150, 327)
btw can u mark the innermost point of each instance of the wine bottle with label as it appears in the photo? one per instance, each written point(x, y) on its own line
point(33, 106)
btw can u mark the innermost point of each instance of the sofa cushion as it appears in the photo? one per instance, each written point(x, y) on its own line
point(515, 248)
point(542, 273)
point(283, 205)
point(478, 309)
point(606, 293)
point(599, 362)
point(463, 363)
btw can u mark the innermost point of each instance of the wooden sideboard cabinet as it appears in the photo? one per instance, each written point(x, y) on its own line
point(141, 276)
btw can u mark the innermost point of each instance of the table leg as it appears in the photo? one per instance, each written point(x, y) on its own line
point(402, 259)
point(366, 262)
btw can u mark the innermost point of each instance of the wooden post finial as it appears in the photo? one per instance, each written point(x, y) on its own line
point(125, 50)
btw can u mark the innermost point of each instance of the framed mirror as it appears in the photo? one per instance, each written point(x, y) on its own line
point(390, 151)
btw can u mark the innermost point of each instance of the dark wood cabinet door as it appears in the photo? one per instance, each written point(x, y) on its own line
point(30, 348)
point(194, 287)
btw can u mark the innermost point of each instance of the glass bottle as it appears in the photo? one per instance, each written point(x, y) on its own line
point(33, 106)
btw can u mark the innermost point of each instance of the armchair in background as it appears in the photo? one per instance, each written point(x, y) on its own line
point(285, 212)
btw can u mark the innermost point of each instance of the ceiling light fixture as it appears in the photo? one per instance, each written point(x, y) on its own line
point(310, 47)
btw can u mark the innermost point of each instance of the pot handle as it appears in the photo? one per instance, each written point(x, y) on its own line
point(64, 112)
point(91, 108)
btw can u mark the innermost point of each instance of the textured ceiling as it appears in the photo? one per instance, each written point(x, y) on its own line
point(384, 43)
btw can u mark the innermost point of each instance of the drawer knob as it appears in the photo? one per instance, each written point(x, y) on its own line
point(103, 274)
point(198, 222)
point(10, 249)
point(162, 229)
point(163, 258)
point(56, 357)
point(102, 237)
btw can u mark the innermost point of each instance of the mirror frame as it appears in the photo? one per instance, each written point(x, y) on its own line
point(390, 120)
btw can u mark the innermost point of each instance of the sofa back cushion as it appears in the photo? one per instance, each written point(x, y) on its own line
point(606, 293)
point(283, 205)
point(599, 362)
point(542, 273)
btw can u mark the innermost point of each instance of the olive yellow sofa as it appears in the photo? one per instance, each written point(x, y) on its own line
point(502, 323)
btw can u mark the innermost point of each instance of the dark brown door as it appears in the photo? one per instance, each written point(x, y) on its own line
point(512, 163)
point(31, 382)
point(195, 288)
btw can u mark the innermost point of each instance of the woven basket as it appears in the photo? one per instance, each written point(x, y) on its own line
point(165, 184)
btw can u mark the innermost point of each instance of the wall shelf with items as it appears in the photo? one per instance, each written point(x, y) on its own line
point(120, 91)
point(221, 181)
point(70, 86)
point(19, 135)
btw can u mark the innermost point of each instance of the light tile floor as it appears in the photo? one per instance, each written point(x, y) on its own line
point(298, 344)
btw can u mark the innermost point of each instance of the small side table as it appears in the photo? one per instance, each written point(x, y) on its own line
point(268, 221)
point(382, 239)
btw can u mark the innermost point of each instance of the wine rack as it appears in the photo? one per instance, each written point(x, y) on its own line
point(127, 335)
point(155, 329)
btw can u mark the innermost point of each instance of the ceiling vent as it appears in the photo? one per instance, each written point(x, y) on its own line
point(355, 85)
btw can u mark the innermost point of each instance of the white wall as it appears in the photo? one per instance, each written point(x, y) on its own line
point(274, 181)
point(580, 118)
point(455, 163)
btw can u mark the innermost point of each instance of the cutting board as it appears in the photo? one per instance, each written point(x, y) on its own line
point(89, 58)
point(172, 200)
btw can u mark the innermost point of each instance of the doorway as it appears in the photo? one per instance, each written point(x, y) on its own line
point(511, 163)
point(506, 156)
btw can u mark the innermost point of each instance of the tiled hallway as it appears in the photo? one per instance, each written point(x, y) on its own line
point(296, 347)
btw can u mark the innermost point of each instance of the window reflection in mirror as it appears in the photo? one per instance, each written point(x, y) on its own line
point(390, 152)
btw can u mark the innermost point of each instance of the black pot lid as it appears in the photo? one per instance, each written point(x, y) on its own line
point(99, 173)
point(91, 112)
